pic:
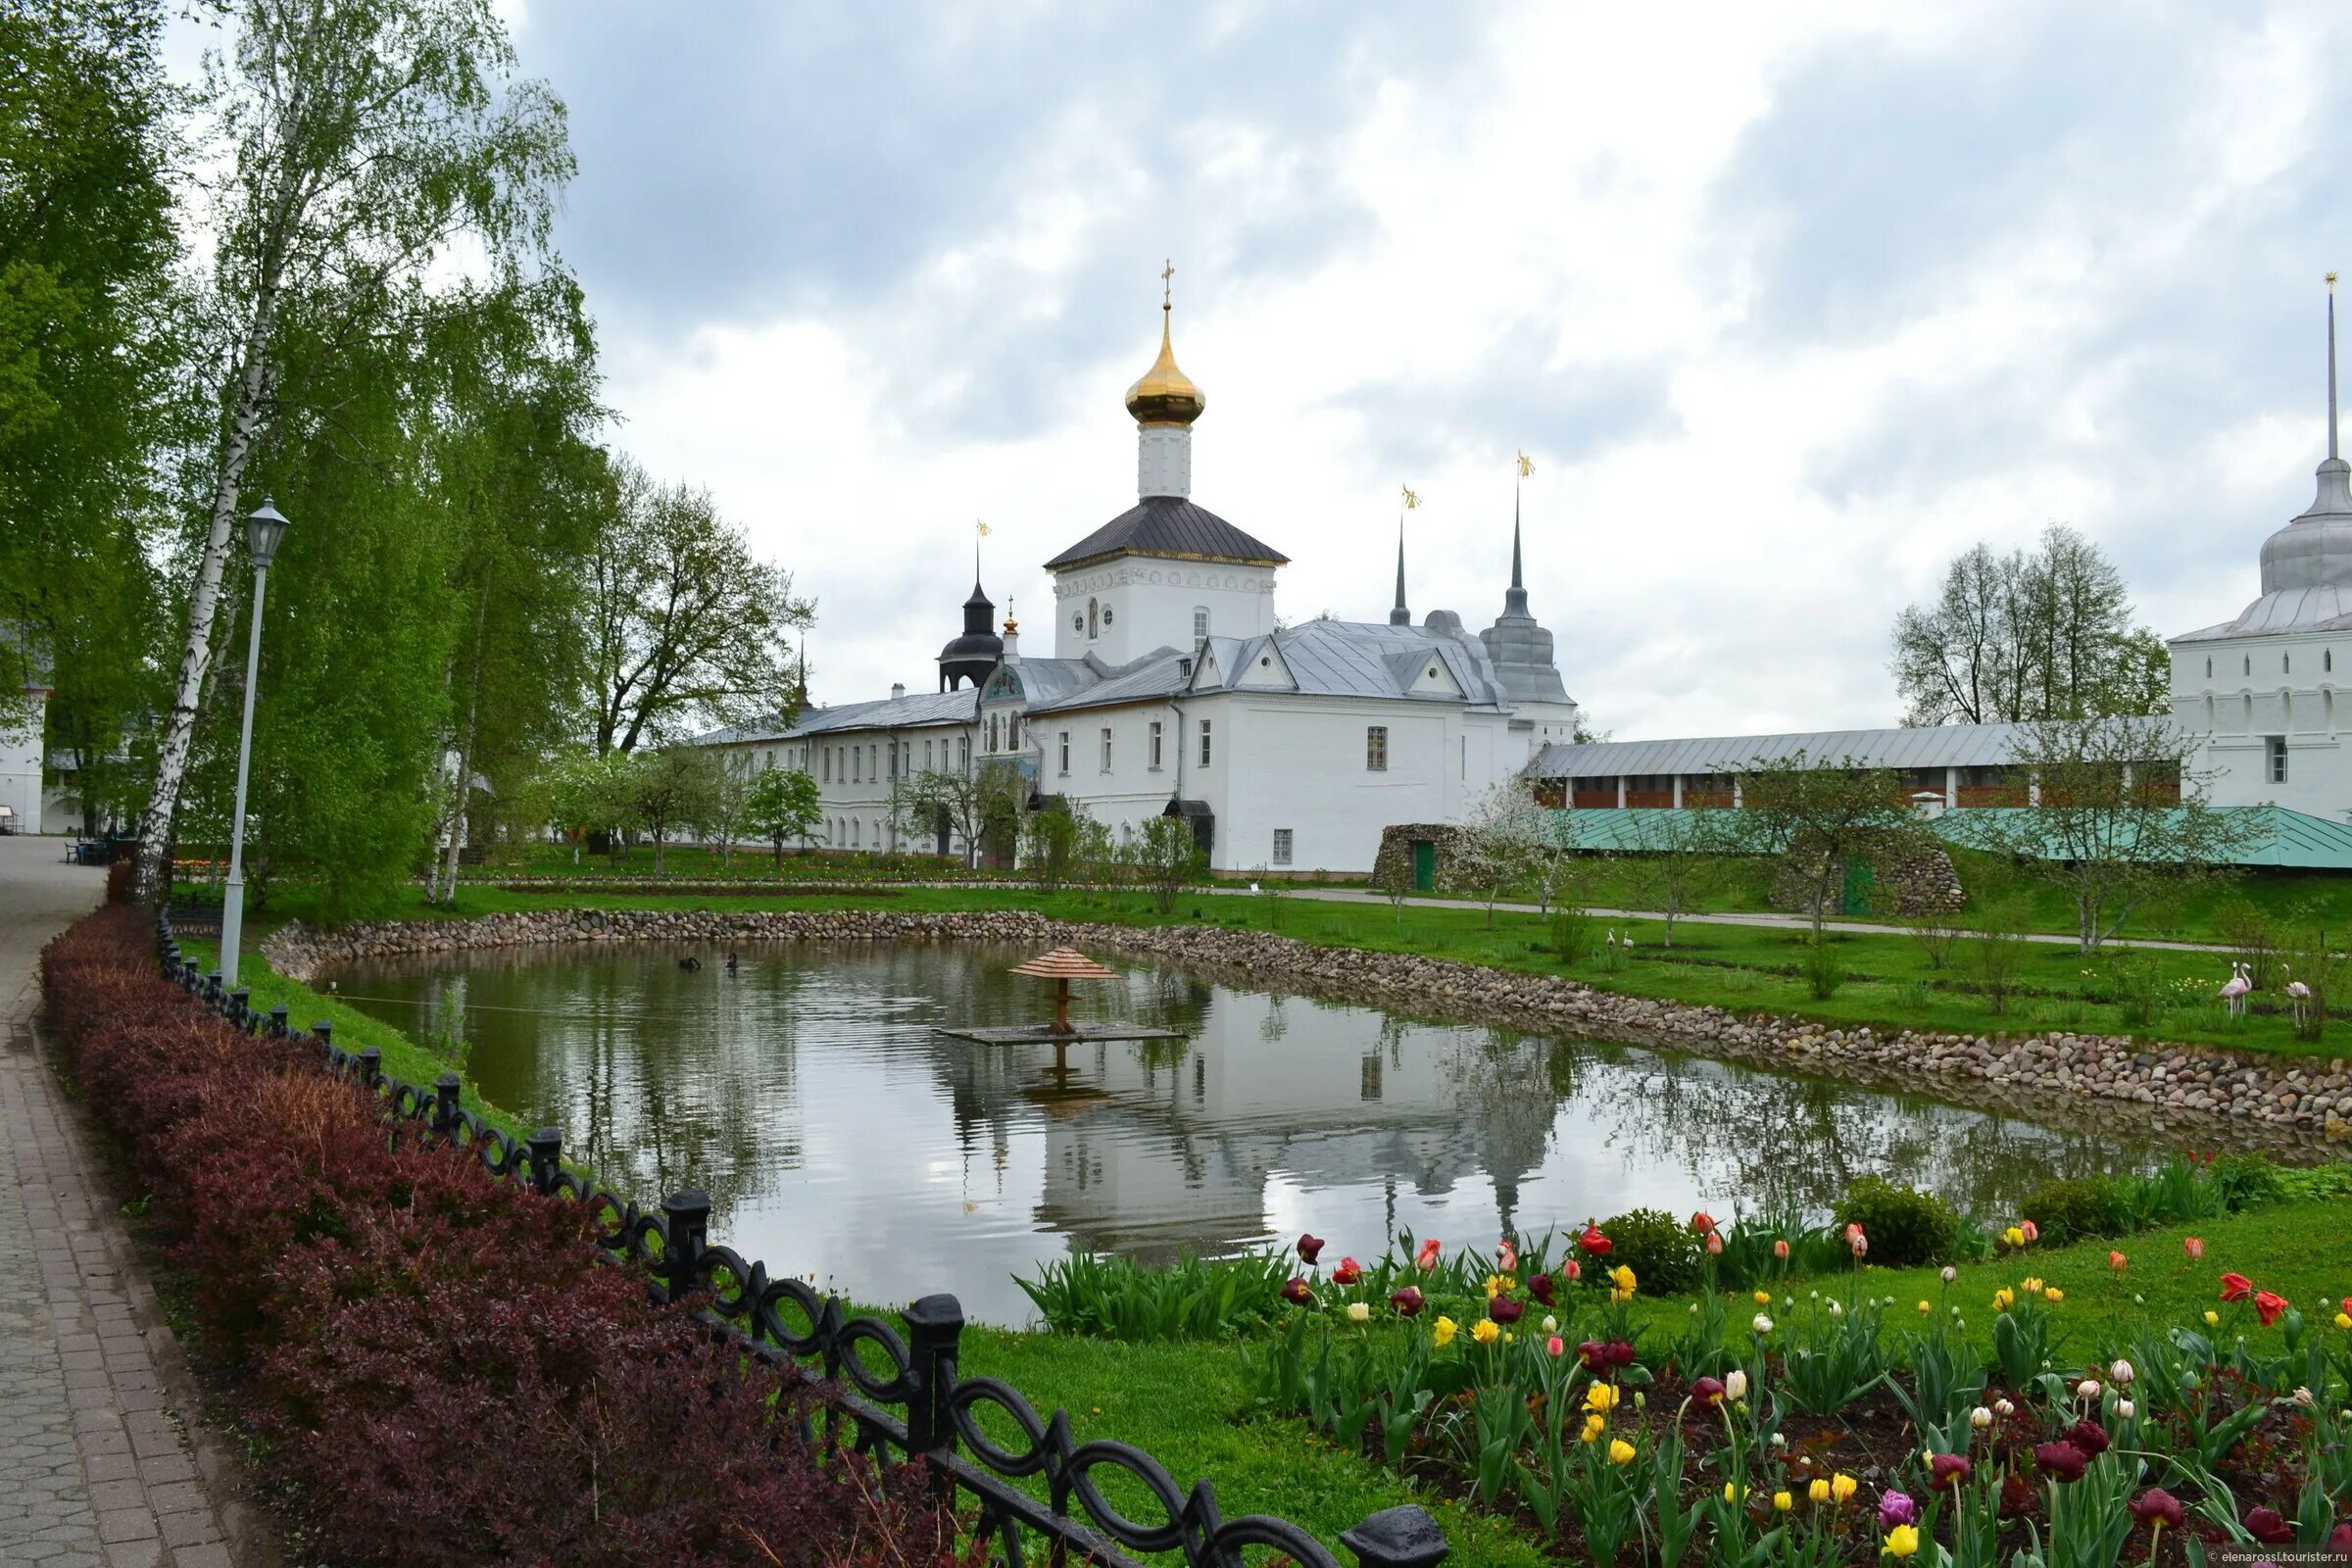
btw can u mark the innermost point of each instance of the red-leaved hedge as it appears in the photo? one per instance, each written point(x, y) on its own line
point(439, 1370)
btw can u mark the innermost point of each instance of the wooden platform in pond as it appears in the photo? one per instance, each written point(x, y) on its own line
point(1038, 1034)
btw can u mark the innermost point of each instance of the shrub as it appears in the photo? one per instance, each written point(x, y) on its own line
point(1664, 1255)
point(1571, 933)
point(1906, 1227)
point(1825, 972)
point(2086, 1206)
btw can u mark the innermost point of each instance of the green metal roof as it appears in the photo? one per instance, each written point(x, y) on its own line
point(2275, 837)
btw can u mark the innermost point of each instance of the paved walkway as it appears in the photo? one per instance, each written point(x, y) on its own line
point(97, 1469)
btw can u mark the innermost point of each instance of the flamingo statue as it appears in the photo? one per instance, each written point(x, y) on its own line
point(2298, 994)
point(2234, 989)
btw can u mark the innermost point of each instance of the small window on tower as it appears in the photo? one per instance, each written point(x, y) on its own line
point(1282, 846)
point(2274, 752)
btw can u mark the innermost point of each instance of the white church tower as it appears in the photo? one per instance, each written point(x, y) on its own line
point(1167, 572)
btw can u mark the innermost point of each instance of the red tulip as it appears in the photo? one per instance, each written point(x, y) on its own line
point(1593, 1242)
point(1706, 1391)
point(2237, 1287)
point(1427, 1258)
point(2340, 1543)
point(1571, 1271)
point(2157, 1506)
point(1505, 1309)
point(2266, 1526)
point(1947, 1471)
point(1540, 1287)
point(2063, 1460)
point(1506, 1257)
point(1702, 1223)
point(2268, 1305)
point(1780, 1248)
point(1599, 1355)
point(1407, 1301)
point(1310, 1248)
point(1714, 1244)
point(2088, 1436)
point(2194, 1247)
point(2032, 1230)
point(1853, 1233)
point(1348, 1273)
point(1556, 1347)
point(2118, 1262)
point(1298, 1291)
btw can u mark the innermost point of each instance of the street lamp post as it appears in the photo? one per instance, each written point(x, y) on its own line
point(263, 532)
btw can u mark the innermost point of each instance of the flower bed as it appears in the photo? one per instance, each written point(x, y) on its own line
point(1799, 1425)
point(435, 1367)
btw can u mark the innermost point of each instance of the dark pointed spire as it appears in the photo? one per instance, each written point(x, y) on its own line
point(1514, 597)
point(1399, 615)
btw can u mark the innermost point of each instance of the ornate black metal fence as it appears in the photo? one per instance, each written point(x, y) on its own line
point(895, 1392)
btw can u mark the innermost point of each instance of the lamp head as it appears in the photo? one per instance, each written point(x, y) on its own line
point(263, 530)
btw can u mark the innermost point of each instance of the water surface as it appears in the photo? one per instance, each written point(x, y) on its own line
point(842, 1136)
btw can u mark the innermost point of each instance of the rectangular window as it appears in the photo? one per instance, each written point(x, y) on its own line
point(1155, 733)
point(1200, 623)
point(1106, 748)
point(927, 757)
point(825, 759)
point(1376, 748)
point(1282, 846)
point(1204, 743)
point(2274, 748)
point(964, 753)
point(1066, 750)
point(857, 764)
point(771, 759)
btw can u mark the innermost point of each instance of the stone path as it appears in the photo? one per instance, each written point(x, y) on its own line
point(97, 1469)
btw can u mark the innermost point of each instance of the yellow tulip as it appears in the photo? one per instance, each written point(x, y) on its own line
point(2053, 1295)
point(1901, 1542)
point(1620, 1452)
point(1819, 1491)
point(2213, 1319)
point(1925, 1308)
point(2031, 1285)
point(1782, 1503)
point(1595, 1426)
point(1487, 1330)
point(1763, 1297)
point(1730, 1492)
point(1620, 1297)
point(2343, 1320)
point(1445, 1331)
point(1843, 1487)
point(1622, 1277)
point(1601, 1396)
point(2003, 1299)
point(2014, 1236)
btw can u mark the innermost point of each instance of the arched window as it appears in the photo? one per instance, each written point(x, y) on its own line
point(1093, 618)
point(2248, 662)
point(2286, 664)
point(991, 732)
point(2209, 669)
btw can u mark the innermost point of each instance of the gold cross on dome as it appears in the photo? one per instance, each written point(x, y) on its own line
point(1168, 286)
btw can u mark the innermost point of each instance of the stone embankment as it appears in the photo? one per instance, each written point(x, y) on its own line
point(2280, 1102)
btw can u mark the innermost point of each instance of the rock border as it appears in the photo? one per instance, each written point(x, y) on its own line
point(2293, 1105)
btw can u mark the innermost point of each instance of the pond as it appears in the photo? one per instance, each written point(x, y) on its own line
point(842, 1136)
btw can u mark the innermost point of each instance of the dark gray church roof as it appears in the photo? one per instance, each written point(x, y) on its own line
point(1169, 526)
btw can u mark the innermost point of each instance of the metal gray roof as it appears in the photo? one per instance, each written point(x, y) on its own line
point(1364, 658)
point(1157, 673)
point(1169, 526)
point(957, 707)
point(1935, 746)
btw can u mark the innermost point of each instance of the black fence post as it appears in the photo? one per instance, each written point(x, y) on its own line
point(240, 1008)
point(686, 1215)
point(934, 1326)
point(212, 988)
point(1403, 1537)
point(445, 1103)
point(277, 1021)
point(546, 1158)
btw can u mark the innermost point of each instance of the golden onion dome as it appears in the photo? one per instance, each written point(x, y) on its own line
point(1165, 395)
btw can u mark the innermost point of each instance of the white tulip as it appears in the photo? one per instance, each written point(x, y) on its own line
point(2003, 1408)
point(1762, 1324)
point(2303, 1396)
point(2119, 1373)
point(2088, 1389)
point(1359, 1312)
point(2125, 1410)
point(1551, 1325)
point(1735, 1384)
point(1980, 1418)
point(1950, 1273)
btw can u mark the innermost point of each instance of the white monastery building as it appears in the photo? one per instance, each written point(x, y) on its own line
point(1173, 689)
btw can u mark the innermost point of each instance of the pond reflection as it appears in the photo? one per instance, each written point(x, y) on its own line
point(841, 1135)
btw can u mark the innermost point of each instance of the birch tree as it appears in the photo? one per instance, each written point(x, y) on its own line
point(364, 140)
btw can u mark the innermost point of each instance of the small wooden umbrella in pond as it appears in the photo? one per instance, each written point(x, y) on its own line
point(1061, 966)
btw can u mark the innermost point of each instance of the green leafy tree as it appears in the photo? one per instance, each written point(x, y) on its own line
point(1817, 815)
point(582, 794)
point(1050, 844)
point(782, 806)
point(672, 788)
point(686, 626)
point(2113, 819)
point(957, 800)
point(363, 143)
point(1169, 859)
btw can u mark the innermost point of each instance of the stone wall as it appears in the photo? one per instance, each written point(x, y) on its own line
point(1396, 849)
point(2297, 1105)
point(1911, 873)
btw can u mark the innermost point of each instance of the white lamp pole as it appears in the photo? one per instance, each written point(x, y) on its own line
point(263, 532)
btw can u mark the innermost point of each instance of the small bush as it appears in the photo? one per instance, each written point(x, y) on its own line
point(1571, 933)
point(1665, 1258)
point(2082, 1207)
point(1825, 972)
point(1906, 1227)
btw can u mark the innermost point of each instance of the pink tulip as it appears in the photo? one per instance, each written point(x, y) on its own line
point(1427, 1258)
point(2194, 1247)
point(1555, 1346)
point(1506, 1257)
point(1780, 1248)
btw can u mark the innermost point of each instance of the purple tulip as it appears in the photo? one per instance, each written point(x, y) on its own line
point(1896, 1508)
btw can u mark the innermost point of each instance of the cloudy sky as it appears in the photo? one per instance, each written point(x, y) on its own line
point(1787, 303)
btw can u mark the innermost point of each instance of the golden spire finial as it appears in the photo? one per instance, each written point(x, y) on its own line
point(1412, 497)
point(1165, 395)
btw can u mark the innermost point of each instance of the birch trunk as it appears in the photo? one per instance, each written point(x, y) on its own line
point(459, 809)
point(195, 662)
